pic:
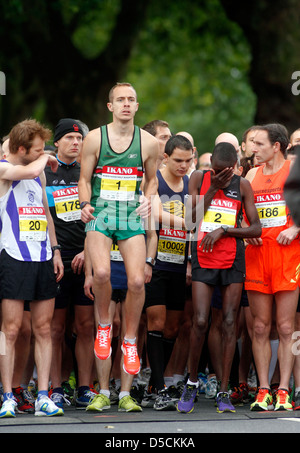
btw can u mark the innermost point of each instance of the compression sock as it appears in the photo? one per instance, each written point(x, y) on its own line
point(156, 358)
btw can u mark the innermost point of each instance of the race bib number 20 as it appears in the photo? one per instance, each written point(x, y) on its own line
point(32, 223)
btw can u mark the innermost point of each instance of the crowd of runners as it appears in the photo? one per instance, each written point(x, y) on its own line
point(138, 270)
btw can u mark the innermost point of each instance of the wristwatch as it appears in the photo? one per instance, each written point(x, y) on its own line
point(56, 247)
point(150, 261)
point(225, 228)
point(83, 204)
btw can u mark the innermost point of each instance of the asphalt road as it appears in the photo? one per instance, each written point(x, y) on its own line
point(155, 429)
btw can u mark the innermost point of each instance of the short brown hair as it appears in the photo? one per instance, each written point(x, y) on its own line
point(23, 134)
point(119, 84)
point(152, 126)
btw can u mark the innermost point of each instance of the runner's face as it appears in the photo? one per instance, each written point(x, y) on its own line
point(296, 138)
point(162, 135)
point(263, 149)
point(37, 148)
point(124, 104)
point(179, 162)
point(69, 147)
point(249, 145)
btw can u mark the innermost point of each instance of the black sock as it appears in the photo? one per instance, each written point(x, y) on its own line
point(155, 352)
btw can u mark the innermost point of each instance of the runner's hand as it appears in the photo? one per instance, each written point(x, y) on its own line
point(52, 163)
point(210, 239)
point(222, 179)
point(87, 213)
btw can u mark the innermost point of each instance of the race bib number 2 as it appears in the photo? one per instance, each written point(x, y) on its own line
point(32, 223)
point(220, 212)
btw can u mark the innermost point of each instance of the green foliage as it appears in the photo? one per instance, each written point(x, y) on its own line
point(189, 65)
point(190, 68)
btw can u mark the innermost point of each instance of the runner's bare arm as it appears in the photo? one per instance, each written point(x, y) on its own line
point(149, 154)
point(57, 261)
point(89, 158)
point(194, 208)
point(11, 172)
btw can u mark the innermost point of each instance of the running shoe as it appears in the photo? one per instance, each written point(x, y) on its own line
point(186, 402)
point(69, 392)
point(240, 395)
point(283, 401)
point(84, 399)
point(223, 403)
point(137, 392)
point(114, 392)
point(28, 396)
point(129, 404)
point(131, 364)
point(99, 403)
point(180, 387)
point(59, 399)
point(44, 406)
point(164, 402)
point(144, 376)
point(149, 397)
point(23, 405)
point(211, 387)
point(263, 401)
point(8, 408)
point(297, 401)
point(202, 378)
point(102, 346)
point(173, 392)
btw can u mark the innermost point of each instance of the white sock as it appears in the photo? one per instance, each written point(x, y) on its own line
point(105, 392)
point(178, 378)
point(130, 340)
point(169, 381)
point(122, 394)
point(193, 383)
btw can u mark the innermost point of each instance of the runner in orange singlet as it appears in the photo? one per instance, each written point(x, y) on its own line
point(272, 264)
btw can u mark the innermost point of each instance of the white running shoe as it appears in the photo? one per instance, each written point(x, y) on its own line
point(8, 408)
point(44, 406)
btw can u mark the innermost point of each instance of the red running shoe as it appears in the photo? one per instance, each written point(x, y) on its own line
point(131, 363)
point(23, 405)
point(102, 346)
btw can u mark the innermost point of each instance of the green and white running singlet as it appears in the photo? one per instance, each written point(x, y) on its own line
point(115, 189)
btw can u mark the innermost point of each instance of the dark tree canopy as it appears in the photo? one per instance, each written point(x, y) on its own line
point(203, 66)
point(273, 32)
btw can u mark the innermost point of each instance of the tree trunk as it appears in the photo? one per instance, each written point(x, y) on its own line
point(273, 32)
point(41, 63)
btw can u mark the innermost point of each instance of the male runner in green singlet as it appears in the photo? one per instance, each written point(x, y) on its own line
point(115, 158)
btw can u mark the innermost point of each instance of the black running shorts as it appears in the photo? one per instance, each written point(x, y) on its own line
point(166, 288)
point(26, 280)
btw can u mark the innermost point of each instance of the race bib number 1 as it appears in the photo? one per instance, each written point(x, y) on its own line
point(118, 183)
